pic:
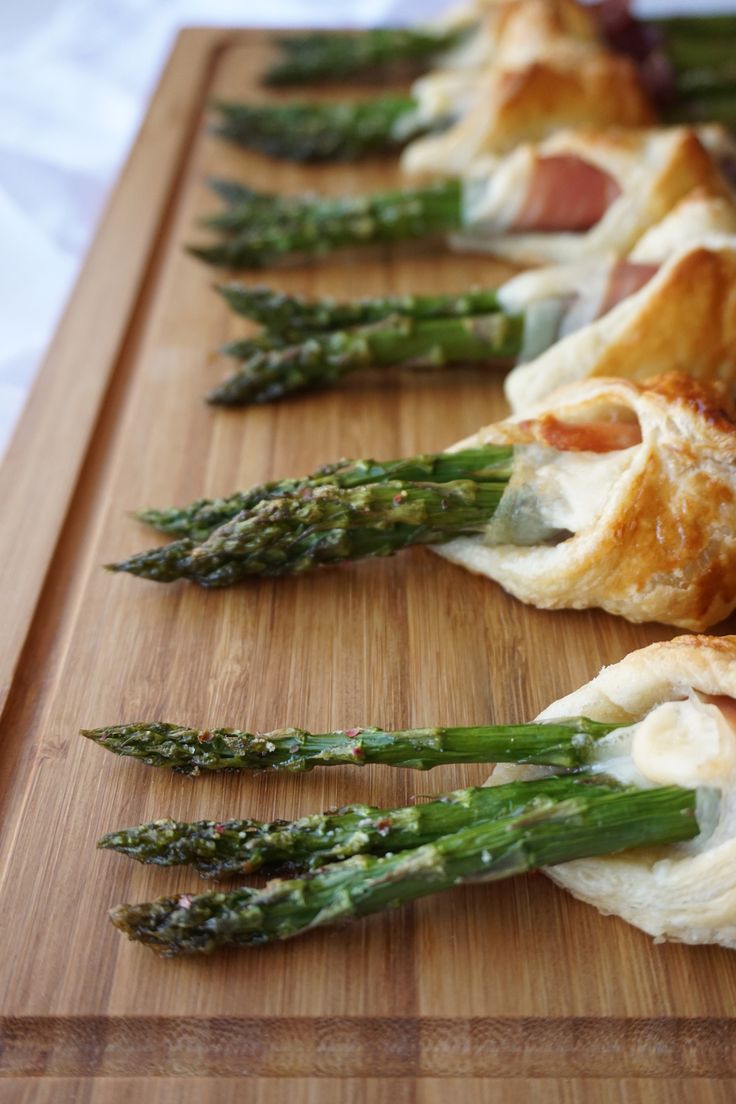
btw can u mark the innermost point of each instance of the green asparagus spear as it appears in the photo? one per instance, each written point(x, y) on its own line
point(288, 535)
point(570, 743)
point(575, 828)
point(324, 56)
point(320, 360)
point(489, 463)
point(245, 348)
point(328, 56)
point(226, 848)
point(717, 106)
point(687, 28)
point(320, 132)
point(250, 203)
point(281, 312)
point(254, 235)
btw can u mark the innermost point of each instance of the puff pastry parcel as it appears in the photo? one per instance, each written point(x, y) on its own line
point(527, 104)
point(508, 35)
point(625, 499)
point(683, 319)
point(623, 182)
point(676, 699)
point(689, 253)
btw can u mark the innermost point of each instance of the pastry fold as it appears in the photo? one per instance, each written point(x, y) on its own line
point(652, 170)
point(526, 104)
point(683, 320)
point(683, 892)
point(531, 67)
point(652, 527)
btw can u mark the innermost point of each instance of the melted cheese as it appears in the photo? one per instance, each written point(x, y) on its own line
point(553, 494)
point(679, 743)
point(685, 743)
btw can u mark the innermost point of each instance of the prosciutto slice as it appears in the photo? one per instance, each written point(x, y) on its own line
point(565, 194)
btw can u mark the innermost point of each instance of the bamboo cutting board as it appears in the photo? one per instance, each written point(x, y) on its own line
point(510, 992)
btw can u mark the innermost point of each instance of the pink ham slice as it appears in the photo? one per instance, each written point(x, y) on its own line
point(591, 436)
point(625, 279)
point(565, 194)
point(726, 705)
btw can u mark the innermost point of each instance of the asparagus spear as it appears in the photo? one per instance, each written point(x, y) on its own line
point(488, 463)
point(569, 743)
point(222, 849)
point(255, 234)
point(327, 56)
point(320, 132)
point(578, 827)
point(291, 314)
point(324, 56)
point(323, 359)
point(245, 348)
point(288, 535)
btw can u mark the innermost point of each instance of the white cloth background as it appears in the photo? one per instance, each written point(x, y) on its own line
point(75, 76)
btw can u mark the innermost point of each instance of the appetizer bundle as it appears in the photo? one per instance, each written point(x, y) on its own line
point(685, 266)
point(520, 69)
point(577, 194)
point(613, 486)
point(643, 758)
point(612, 493)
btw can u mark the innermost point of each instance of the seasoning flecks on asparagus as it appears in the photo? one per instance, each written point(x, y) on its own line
point(320, 132)
point(322, 359)
point(323, 522)
point(578, 827)
point(329, 525)
point(255, 234)
point(220, 849)
point(197, 520)
point(567, 744)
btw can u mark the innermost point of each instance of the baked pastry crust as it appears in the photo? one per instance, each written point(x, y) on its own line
point(509, 34)
point(654, 168)
point(525, 103)
point(660, 544)
point(674, 892)
point(683, 320)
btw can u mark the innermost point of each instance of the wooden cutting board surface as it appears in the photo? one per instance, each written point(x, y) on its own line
point(513, 982)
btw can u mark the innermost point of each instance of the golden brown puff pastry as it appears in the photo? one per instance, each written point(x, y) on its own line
point(682, 320)
point(526, 102)
point(518, 31)
point(646, 530)
point(684, 892)
point(653, 170)
point(509, 36)
point(700, 215)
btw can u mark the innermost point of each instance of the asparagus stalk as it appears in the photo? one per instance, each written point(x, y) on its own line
point(716, 107)
point(288, 535)
point(687, 28)
point(330, 56)
point(578, 827)
point(320, 360)
point(245, 348)
point(226, 848)
point(489, 463)
point(569, 744)
point(320, 132)
point(255, 234)
point(320, 56)
point(291, 314)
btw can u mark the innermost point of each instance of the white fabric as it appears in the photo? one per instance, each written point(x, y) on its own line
point(75, 76)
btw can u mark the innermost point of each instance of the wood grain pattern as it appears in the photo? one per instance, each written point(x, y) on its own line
point(510, 981)
point(403, 1091)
